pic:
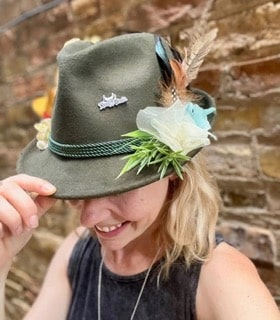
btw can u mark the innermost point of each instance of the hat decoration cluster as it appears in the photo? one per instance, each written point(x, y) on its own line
point(42, 106)
point(166, 134)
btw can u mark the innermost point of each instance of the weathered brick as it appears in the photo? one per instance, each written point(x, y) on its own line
point(86, 8)
point(248, 34)
point(271, 275)
point(277, 236)
point(256, 243)
point(31, 31)
point(8, 44)
point(237, 192)
point(248, 114)
point(107, 8)
point(271, 115)
point(242, 48)
point(47, 242)
point(271, 137)
point(25, 86)
point(252, 78)
point(235, 159)
point(4, 94)
point(230, 160)
point(19, 116)
point(28, 5)
point(209, 80)
point(246, 17)
point(157, 15)
point(14, 65)
point(272, 193)
point(8, 11)
point(238, 117)
point(231, 138)
point(44, 52)
point(259, 217)
point(225, 8)
point(8, 156)
point(269, 158)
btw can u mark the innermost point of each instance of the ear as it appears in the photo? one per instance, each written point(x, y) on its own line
point(173, 177)
point(173, 181)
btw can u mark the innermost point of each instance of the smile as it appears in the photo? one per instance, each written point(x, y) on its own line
point(108, 228)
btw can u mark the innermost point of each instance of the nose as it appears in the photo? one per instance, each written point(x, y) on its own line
point(94, 211)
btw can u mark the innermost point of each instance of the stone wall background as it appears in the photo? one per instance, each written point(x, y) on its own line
point(242, 72)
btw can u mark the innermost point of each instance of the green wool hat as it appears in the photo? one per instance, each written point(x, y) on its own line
point(101, 88)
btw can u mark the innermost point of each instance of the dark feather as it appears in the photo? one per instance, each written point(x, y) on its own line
point(163, 61)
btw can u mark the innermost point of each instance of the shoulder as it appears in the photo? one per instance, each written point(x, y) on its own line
point(50, 303)
point(65, 250)
point(230, 288)
point(59, 263)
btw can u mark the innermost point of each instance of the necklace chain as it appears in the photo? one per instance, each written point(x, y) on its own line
point(139, 295)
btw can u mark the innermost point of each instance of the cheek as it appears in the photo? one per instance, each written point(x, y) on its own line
point(131, 206)
point(157, 194)
point(147, 207)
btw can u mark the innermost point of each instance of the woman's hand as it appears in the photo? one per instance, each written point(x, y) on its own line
point(23, 200)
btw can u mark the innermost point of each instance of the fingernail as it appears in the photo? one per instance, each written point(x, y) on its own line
point(49, 188)
point(33, 221)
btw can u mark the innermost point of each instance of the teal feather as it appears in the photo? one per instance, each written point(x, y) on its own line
point(163, 60)
point(199, 115)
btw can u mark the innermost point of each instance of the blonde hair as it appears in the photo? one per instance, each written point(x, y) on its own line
point(188, 220)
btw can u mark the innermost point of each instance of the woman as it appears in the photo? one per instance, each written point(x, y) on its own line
point(125, 134)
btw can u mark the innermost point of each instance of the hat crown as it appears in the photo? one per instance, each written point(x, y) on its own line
point(101, 89)
point(123, 67)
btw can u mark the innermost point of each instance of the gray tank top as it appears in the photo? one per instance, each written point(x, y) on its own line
point(172, 299)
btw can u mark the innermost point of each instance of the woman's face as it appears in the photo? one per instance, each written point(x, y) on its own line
point(121, 219)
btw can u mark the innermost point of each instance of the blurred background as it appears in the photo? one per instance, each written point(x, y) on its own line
point(242, 72)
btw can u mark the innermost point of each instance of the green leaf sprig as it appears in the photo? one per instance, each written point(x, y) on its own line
point(150, 151)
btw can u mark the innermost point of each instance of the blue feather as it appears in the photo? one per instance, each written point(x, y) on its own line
point(163, 60)
point(199, 115)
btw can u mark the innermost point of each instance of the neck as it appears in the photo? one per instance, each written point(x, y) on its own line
point(139, 295)
point(132, 259)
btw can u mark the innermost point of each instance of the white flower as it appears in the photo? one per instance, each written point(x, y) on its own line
point(44, 129)
point(175, 126)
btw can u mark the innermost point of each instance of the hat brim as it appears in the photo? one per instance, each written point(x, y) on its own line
point(83, 178)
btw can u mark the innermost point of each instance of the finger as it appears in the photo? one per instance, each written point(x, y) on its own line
point(1, 230)
point(17, 207)
point(31, 184)
point(44, 204)
point(21, 208)
point(9, 217)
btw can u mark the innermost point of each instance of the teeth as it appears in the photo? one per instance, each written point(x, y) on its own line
point(108, 228)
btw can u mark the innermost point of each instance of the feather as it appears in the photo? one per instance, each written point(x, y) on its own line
point(163, 60)
point(199, 47)
point(177, 89)
point(179, 75)
point(167, 95)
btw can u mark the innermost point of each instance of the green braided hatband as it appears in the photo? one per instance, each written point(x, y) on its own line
point(91, 150)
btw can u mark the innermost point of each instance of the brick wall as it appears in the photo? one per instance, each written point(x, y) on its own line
point(242, 73)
